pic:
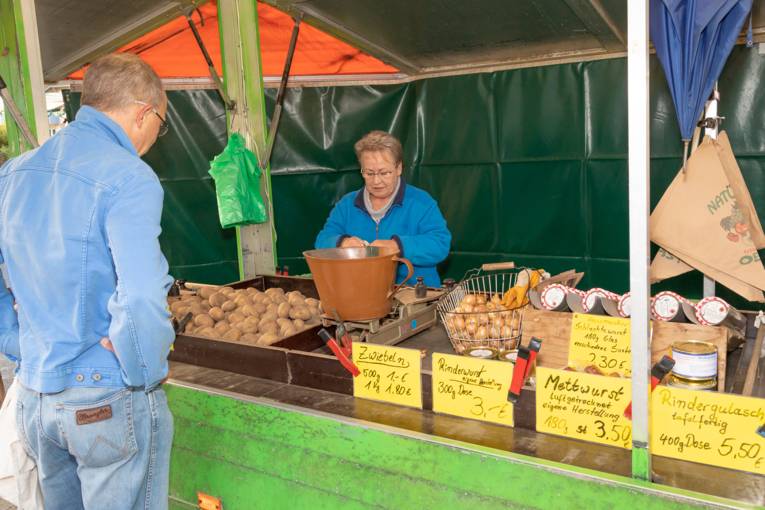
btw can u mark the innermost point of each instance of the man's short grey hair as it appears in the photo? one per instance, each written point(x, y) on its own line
point(116, 81)
point(376, 141)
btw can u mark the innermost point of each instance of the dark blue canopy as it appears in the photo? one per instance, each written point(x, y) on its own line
point(693, 39)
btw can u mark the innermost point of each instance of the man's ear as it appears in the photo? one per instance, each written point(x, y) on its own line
point(140, 116)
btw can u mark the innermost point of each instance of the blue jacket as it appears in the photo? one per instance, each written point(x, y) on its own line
point(79, 227)
point(413, 221)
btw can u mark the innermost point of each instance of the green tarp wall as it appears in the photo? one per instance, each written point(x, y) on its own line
point(527, 165)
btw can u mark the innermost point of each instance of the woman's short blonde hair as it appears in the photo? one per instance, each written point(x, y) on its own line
point(376, 141)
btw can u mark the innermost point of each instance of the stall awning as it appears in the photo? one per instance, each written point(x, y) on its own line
point(172, 51)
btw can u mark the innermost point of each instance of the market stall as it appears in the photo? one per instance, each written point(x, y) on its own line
point(543, 182)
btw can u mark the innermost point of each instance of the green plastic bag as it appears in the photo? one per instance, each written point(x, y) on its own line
point(237, 185)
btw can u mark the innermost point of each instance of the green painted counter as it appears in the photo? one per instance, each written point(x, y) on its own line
point(256, 453)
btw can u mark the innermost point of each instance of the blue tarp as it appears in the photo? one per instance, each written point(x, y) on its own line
point(693, 39)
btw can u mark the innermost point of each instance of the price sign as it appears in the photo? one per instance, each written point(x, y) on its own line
point(600, 341)
point(707, 427)
point(390, 374)
point(584, 406)
point(472, 388)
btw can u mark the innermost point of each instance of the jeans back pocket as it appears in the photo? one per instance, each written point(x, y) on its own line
point(99, 433)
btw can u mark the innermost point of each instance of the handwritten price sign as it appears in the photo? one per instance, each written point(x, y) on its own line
point(390, 374)
point(584, 406)
point(710, 428)
point(601, 341)
point(472, 388)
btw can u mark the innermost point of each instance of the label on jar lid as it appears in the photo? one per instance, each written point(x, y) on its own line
point(553, 295)
point(590, 298)
point(481, 352)
point(711, 311)
point(666, 305)
point(624, 306)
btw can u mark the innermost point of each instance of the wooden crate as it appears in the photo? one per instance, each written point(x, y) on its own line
point(554, 328)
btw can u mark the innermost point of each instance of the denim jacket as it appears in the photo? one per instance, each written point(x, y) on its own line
point(79, 228)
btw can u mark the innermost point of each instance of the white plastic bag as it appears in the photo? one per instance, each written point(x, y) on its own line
point(18, 472)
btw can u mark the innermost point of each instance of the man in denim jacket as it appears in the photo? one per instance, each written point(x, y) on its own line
point(79, 227)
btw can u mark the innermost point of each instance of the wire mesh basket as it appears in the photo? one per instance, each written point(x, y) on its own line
point(474, 315)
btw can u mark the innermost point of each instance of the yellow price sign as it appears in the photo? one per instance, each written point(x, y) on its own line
point(584, 406)
point(708, 427)
point(472, 388)
point(390, 374)
point(600, 341)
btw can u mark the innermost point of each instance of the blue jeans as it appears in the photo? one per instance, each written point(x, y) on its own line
point(98, 448)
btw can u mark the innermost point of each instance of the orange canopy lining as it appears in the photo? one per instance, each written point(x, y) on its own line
point(173, 53)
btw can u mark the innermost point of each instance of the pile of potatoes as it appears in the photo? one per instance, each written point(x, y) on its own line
point(246, 316)
point(480, 317)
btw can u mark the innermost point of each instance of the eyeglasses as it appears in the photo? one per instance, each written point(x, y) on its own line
point(384, 175)
point(163, 125)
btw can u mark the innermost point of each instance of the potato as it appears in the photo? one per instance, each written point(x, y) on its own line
point(190, 328)
point(217, 314)
point(206, 291)
point(271, 307)
point(277, 299)
point(227, 290)
point(300, 312)
point(274, 290)
point(268, 339)
point(311, 302)
point(283, 322)
point(222, 327)
point(260, 308)
point(248, 311)
point(175, 305)
point(288, 331)
point(248, 325)
point(181, 311)
point(217, 299)
point(260, 298)
point(204, 320)
point(206, 332)
point(268, 327)
point(315, 312)
point(235, 317)
point(197, 309)
point(283, 310)
point(269, 316)
point(249, 338)
point(298, 324)
point(232, 335)
point(229, 306)
point(295, 299)
point(240, 299)
point(251, 290)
